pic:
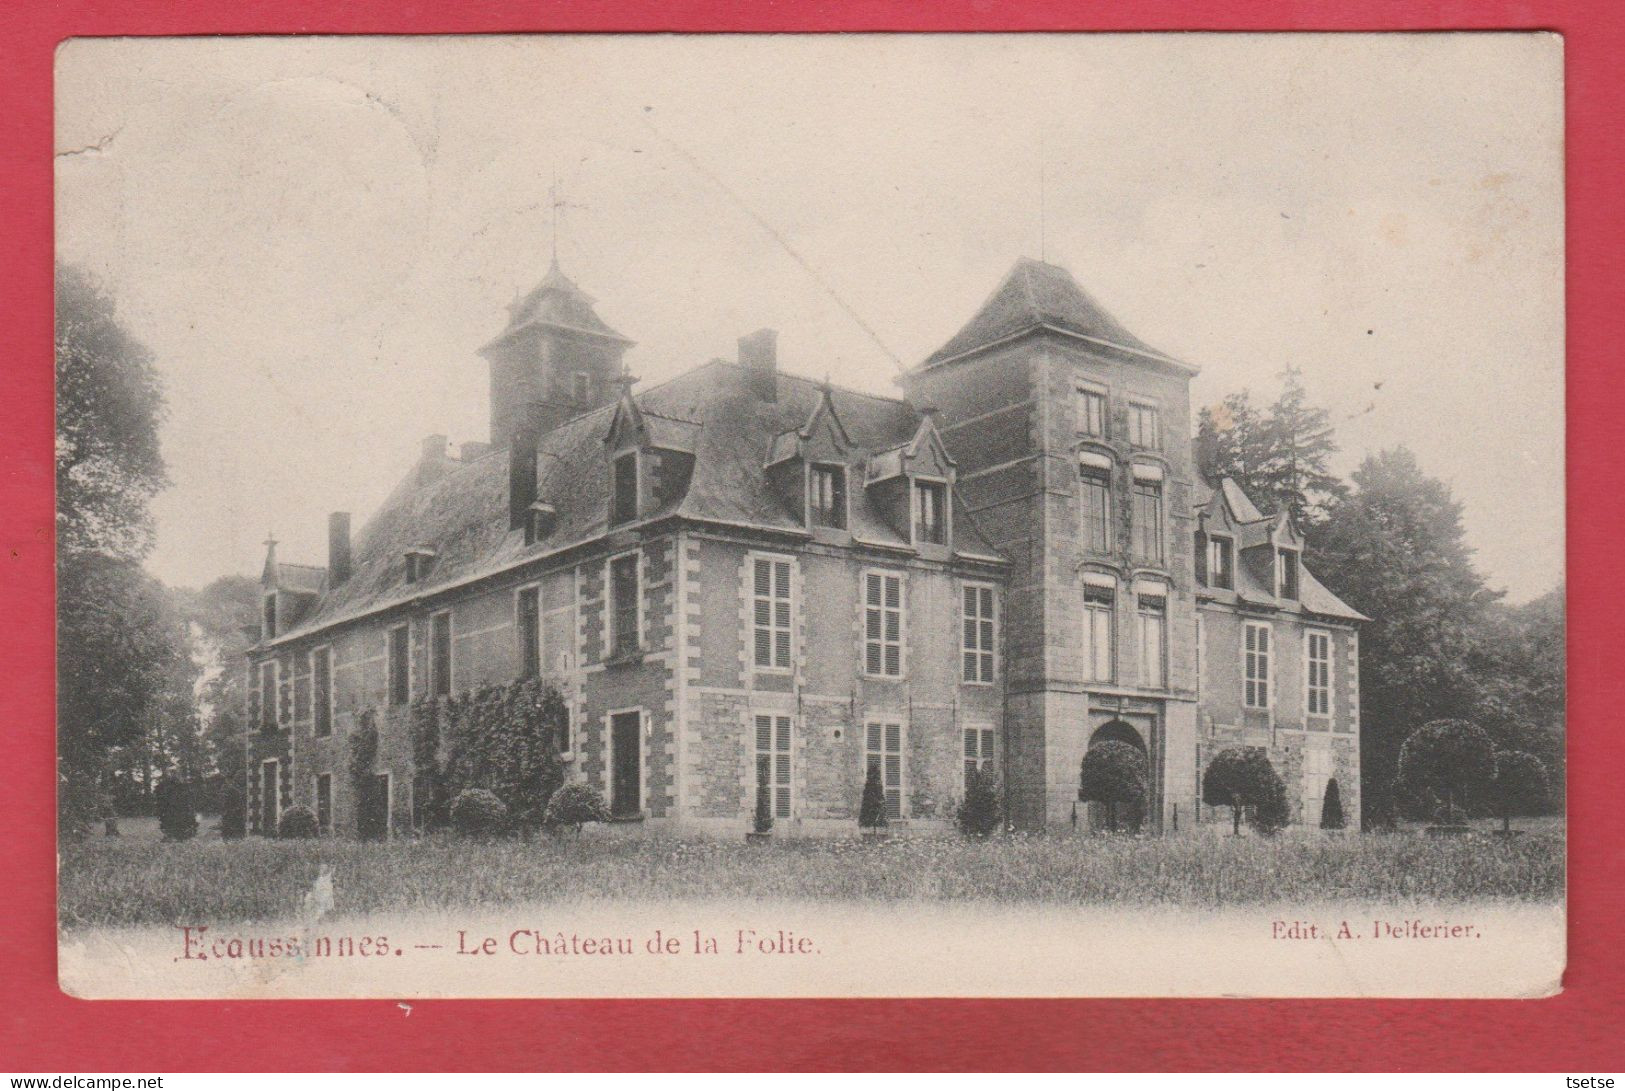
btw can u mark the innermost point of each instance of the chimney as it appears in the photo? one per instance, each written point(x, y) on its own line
point(338, 548)
point(432, 463)
point(759, 354)
point(521, 475)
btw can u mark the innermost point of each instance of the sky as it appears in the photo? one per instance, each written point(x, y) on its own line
point(315, 236)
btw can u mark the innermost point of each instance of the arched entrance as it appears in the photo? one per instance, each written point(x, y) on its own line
point(1099, 815)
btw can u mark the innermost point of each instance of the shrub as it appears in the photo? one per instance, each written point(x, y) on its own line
point(763, 822)
point(176, 816)
point(298, 824)
point(233, 810)
point(1113, 772)
point(575, 805)
point(1331, 807)
point(504, 738)
point(979, 813)
point(1452, 761)
point(1242, 778)
point(872, 804)
point(477, 812)
point(1520, 786)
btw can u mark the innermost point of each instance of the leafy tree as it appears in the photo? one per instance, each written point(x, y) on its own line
point(1112, 772)
point(1241, 777)
point(575, 805)
point(109, 403)
point(763, 821)
point(1232, 440)
point(872, 805)
point(979, 813)
point(1395, 550)
point(1520, 678)
point(1331, 807)
point(1452, 761)
point(1279, 456)
point(1519, 788)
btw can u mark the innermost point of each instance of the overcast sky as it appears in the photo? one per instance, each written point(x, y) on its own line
point(315, 236)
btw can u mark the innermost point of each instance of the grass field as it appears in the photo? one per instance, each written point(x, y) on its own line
point(137, 879)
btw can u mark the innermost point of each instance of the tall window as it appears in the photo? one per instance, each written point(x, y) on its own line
point(624, 503)
point(977, 638)
point(978, 750)
point(1148, 521)
point(930, 512)
point(1256, 652)
point(321, 672)
point(440, 654)
point(770, 596)
point(1098, 602)
point(1097, 508)
point(399, 677)
point(1317, 772)
point(1286, 566)
point(773, 762)
point(883, 747)
point(268, 619)
point(528, 618)
point(1221, 570)
point(1091, 411)
point(623, 608)
point(324, 803)
point(827, 503)
point(882, 624)
point(1318, 684)
point(1153, 625)
point(268, 696)
point(1144, 425)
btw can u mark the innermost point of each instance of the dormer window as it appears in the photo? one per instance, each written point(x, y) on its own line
point(624, 501)
point(539, 520)
point(268, 621)
point(826, 501)
point(1286, 573)
point(418, 563)
point(930, 512)
point(1221, 570)
point(1144, 426)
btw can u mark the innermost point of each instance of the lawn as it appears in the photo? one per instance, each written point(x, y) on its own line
point(135, 880)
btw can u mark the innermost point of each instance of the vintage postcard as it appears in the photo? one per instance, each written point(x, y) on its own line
point(827, 515)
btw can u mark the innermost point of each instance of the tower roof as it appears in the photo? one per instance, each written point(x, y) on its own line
point(1036, 295)
point(557, 303)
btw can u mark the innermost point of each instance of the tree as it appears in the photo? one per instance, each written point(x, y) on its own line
point(1279, 456)
point(109, 403)
point(1451, 761)
point(1241, 777)
point(1395, 550)
point(1518, 671)
point(872, 806)
point(1112, 772)
point(979, 813)
point(575, 805)
point(1331, 807)
point(1519, 788)
point(177, 818)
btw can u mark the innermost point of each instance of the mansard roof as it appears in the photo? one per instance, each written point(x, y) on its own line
point(557, 303)
point(462, 514)
point(1035, 295)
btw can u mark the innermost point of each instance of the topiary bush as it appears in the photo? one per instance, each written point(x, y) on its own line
point(1242, 778)
point(1113, 773)
point(1331, 807)
point(177, 818)
point(763, 821)
point(1272, 812)
point(1448, 761)
point(574, 805)
point(298, 824)
point(477, 812)
point(233, 810)
point(872, 804)
point(1519, 787)
point(979, 814)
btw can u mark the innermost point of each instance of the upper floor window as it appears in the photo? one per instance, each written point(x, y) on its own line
point(400, 691)
point(930, 512)
point(1096, 484)
point(528, 617)
point(268, 695)
point(1221, 562)
point(1099, 602)
point(1286, 573)
point(1318, 683)
point(623, 604)
point(1148, 520)
point(770, 601)
point(1256, 654)
point(883, 624)
point(1153, 626)
point(321, 674)
point(977, 639)
point(624, 503)
point(268, 622)
point(1091, 411)
point(827, 502)
point(1144, 425)
point(440, 654)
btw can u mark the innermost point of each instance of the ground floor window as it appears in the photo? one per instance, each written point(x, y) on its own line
point(773, 762)
point(883, 748)
point(978, 751)
point(1317, 771)
point(324, 803)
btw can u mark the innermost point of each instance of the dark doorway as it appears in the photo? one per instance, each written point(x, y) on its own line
point(372, 815)
point(270, 800)
point(626, 764)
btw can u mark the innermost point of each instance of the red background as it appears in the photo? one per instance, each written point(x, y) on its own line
point(45, 1031)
